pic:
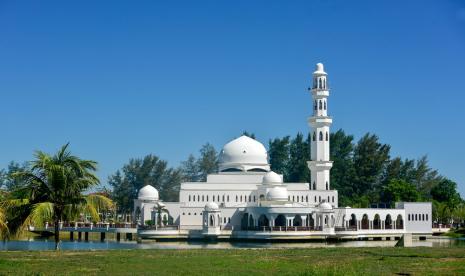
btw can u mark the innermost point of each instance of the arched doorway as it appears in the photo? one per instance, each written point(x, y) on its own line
point(310, 221)
point(353, 221)
point(244, 221)
point(365, 222)
point(297, 220)
point(251, 224)
point(399, 222)
point(388, 222)
point(377, 222)
point(263, 221)
point(280, 221)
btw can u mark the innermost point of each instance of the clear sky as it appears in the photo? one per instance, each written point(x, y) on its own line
point(121, 79)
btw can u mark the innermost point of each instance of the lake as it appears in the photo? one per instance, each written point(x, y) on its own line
point(48, 244)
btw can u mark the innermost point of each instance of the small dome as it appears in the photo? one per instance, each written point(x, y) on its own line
point(319, 69)
point(325, 206)
point(148, 192)
point(244, 154)
point(211, 206)
point(272, 178)
point(277, 194)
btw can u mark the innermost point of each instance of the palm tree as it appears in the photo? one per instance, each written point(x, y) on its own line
point(53, 191)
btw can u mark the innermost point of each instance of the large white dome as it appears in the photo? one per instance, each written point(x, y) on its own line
point(244, 154)
point(148, 192)
point(211, 206)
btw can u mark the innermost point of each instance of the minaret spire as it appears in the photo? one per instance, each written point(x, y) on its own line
point(319, 123)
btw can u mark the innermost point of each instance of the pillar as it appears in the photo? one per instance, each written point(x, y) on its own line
point(71, 236)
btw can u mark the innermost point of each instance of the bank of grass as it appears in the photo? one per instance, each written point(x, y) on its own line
point(320, 261)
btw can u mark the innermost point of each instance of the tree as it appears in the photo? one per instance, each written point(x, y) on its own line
point(342, 172)
point(208, 161)
point(190, 169)
point(446, 192)
point(299, 153)
point(399, 190)
point(370, 159)
point(279, 155)
point(54, 185)
point(7, 181)
point(251, 134)
point(139, 172)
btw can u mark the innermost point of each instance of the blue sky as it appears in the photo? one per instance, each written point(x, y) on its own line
point(121, 79)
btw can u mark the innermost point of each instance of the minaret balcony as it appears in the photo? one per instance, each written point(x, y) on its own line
point(320, 93)
point(320, 165)
point(320, 121)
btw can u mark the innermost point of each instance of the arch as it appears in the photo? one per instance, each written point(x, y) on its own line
point(189, 197)
point(245, 221)
point(388, 222)
point(399, 222)
point(198, 198)
point(365, 222)
point(326, 220)
point(327, 187)
point(310, 220)
point(320, 105)
point(297, 221)
point(232, 170)
point(315, 106)
point(324, 105)
point(321, 136)
point(223, 198)
point(257, 170)
point(203, 198)
point(251, 224)
point(423, 217)
point(320, 83)
point(306, 198)
point(353, 221)
point(280, 221)
point(228, 198)
point(377, 222)
point(314, 187)
point(263, 221)
point(327, 136)
point(314, 136)
point(212, 220)
point(262, 197)
point(237, 198)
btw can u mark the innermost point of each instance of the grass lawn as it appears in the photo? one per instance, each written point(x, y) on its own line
point(319, 261)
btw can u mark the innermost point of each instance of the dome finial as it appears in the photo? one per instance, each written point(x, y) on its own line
point(320, 67)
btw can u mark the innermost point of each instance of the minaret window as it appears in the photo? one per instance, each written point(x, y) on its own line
point(321, 136)
point(316, 105)
point(314, 136)
point(327, 186)
point(314, 185)
point(324, 105)
point(320, 83)
point(320, 105)
point(327, 136)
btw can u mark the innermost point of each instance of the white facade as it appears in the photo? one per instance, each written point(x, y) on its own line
point(245, 199)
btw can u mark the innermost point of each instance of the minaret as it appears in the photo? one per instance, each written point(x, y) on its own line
point(320, 165)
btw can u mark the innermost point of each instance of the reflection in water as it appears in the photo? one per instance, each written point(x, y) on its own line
point(45, 244)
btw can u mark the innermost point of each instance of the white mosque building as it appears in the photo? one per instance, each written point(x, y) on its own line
point(246, 200)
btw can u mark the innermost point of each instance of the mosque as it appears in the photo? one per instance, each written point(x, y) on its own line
point(246, 200)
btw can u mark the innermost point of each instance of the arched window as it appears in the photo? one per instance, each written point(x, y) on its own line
point(427, 217)
point(228, 198)
point(320, 83)
point(193, 198)
point(198, 197)
point(207, 198)
point(321, 136)
point(203, 198)
point(223, 198)
point(320, 105)
point(333, 199)
point(315, 198)
point(314, 136)
point(241, 198)
point(314, 185)
point(189, 197)
point(327, 136)
point(306, 198)
point(254, 198)
point(315, 107)
point(416, 217)
point(297, 198)
point(237, 198)
point(324, 107)
point(408, 217)
point(319, 199)
point(293, 198)
point(423, 217)
point(327, 186)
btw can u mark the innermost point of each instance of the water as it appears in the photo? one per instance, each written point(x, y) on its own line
point(48, 244)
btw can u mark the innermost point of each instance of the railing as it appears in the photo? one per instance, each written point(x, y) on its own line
point(283, 228)
point(91, 225)
point(155, 227)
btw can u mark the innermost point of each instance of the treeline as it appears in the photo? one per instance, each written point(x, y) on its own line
point(364, 173)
